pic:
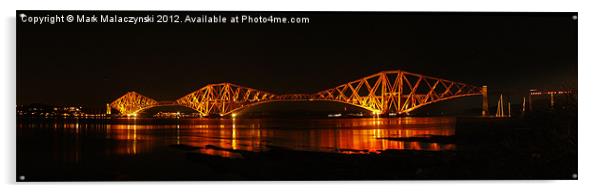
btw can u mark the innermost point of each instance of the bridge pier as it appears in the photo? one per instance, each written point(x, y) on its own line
point(485, 111)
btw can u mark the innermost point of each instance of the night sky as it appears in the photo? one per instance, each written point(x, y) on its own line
point(93, 64)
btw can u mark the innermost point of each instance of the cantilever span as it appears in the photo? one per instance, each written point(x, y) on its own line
point(388, 91)
point(132, 102)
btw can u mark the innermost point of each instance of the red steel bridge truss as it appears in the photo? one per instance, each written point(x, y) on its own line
point(385, 92)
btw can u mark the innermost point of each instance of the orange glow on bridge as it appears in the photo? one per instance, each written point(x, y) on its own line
point(385, 92)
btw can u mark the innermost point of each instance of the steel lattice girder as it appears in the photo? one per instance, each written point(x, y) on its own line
point(223, 98)
point(387, 91)
point(132, 102)
point(397, 91)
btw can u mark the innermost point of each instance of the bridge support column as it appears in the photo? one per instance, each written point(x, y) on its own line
point(552, 100)
point(108, 109)
point(485, 111)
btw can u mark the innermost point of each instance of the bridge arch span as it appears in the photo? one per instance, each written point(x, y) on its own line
point(146, 108)
point(374, 111)
point(240, 109)
point(384, 92)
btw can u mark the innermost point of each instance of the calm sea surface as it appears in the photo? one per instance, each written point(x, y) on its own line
point(67, 138)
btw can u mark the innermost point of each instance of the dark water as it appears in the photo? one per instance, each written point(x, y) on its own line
point(292, 149)
point(152, 149)
point(143, 136)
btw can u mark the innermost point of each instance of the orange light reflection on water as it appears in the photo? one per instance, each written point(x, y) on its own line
point(224, 137)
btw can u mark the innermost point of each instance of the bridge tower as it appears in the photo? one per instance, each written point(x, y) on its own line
point(108, 109)
point(485, 111)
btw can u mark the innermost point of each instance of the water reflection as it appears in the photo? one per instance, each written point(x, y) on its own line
point(222, 136)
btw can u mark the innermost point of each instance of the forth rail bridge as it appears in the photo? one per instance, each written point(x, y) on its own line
point(396, 91)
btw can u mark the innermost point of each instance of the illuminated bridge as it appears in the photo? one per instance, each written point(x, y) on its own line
point(385, 92)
